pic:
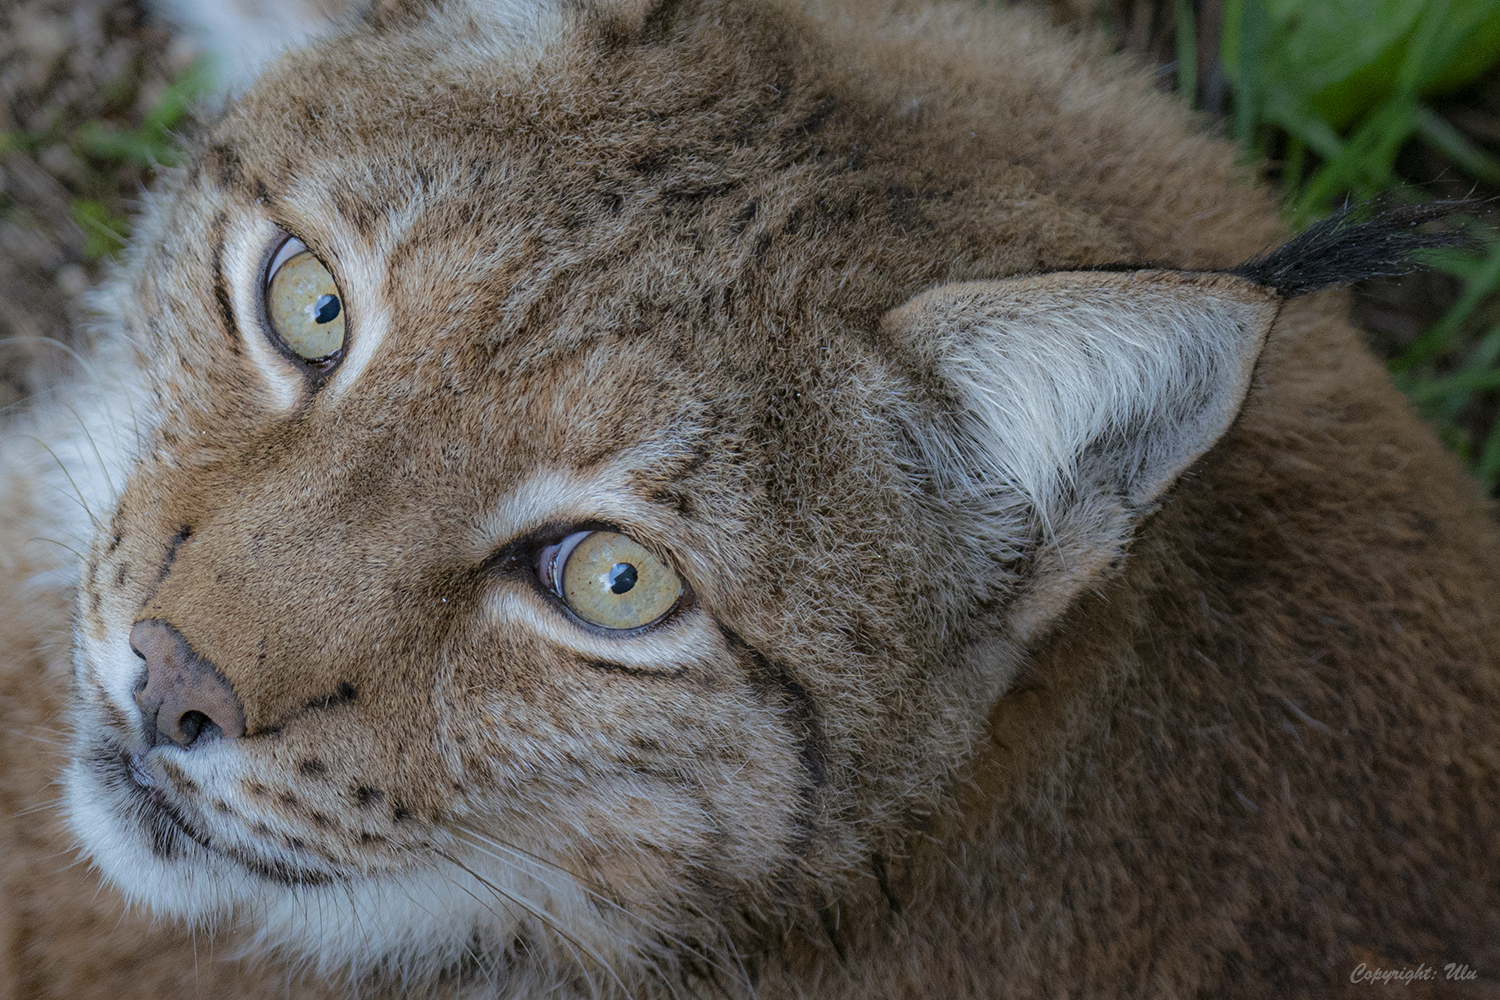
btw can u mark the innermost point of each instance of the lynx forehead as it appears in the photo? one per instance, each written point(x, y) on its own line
point(700, 497)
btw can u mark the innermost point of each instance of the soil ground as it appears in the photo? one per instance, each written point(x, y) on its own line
point(65, 63)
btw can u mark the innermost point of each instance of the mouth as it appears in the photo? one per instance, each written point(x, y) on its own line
point(148, 806)
point(169, 831)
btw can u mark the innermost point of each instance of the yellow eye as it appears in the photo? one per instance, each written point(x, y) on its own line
point(303, 305)
point(609, 580)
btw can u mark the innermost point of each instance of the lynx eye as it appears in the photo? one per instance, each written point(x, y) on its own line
point(609, 580)
point(303, 306)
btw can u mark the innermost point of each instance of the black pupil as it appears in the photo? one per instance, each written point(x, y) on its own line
point(621, 578)
point(327, 309)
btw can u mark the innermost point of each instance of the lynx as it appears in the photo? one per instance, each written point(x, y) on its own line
point(741, 498)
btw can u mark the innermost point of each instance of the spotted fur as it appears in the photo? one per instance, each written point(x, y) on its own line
point(1047, 628)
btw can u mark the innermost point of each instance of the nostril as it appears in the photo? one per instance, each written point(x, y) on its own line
point(183, 698)
point(195, 726)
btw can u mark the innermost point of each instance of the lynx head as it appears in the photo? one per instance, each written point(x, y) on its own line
point(600, 471)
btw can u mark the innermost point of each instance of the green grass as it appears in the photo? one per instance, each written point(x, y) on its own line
point(152, 143)
point(1339, 88)
point(98, 205)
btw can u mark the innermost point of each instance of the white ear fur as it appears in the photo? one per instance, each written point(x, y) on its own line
point(1076, 399)
point(242, 37)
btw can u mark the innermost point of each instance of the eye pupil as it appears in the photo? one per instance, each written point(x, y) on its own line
point(622, 577)
point(303, 306)
point(607, 579)
point(326, 310)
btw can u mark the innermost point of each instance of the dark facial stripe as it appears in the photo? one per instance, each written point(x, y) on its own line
point(181, 535)
point(883, 879)
point(221, 287)
point(114, 717)
point(167, 829)
point(344, 694)
point(610, 667)
point(801, 715)
point(222, 163)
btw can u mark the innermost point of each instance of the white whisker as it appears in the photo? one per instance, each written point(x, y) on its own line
point(650, 925)
point(82, 500)
point(42, 807)
point(98, 456)
point(547, 918)
point(53, 541)
point(36, 338)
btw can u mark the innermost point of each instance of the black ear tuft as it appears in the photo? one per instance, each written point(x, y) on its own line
point(1362, 242)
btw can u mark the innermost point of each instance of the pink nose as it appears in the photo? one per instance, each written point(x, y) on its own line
point(183, 698)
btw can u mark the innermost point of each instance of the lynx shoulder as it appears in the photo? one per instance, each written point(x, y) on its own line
point(707, 497)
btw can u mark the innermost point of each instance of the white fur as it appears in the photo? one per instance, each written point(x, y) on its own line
point(560, 496)
point(362, 271)
point(688, 642)
point(409, 923)
point(70, 457)
point(62, 468)
point(1106, 383)
point(1124, 379)
point(244, 257)
point(413, 923)
point(1071, 388)
point(1080, 398)
point(243, 37)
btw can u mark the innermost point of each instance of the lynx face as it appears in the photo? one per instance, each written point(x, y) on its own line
point(545, 538)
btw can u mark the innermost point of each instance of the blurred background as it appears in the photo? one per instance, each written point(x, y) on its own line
point(1330, 101)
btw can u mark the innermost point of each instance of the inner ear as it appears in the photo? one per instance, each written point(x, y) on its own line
point(1074, 400)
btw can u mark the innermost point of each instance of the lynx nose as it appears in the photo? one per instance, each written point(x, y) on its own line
point(182, 697)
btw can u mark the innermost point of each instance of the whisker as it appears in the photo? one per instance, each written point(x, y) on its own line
point(36, 338)
point(401, 888)
point(82, 501)
point(98, 456)
point(546, 918)
point(53, 541)
point(124, 910)
point(25, 401)
point(505, 899)
point(42, 807)
point(48, 391)
point(78, 860)
point(61, 385)
point(661, 930)
point(526, 856)
point(60, 743)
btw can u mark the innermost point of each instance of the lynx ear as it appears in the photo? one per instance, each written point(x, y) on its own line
point(242, 37)
point(1074, 400)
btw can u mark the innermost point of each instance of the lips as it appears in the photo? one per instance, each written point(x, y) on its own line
point(167, 827)
point(140, 776)
point(151, 809)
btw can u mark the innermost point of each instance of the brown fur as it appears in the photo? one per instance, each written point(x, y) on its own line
point(1257, 751)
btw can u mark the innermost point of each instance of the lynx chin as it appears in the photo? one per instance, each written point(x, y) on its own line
point(732, 498)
